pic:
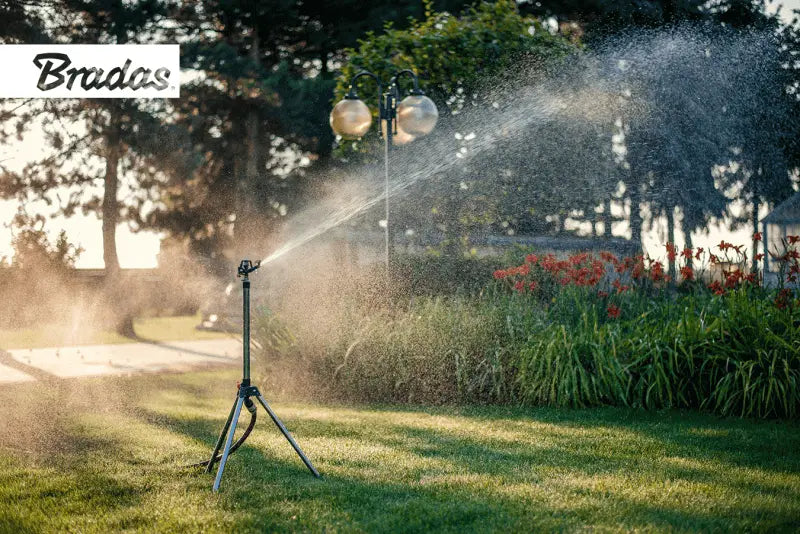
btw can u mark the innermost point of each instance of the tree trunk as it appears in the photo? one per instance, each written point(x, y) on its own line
point(671, 238)
point(635, 195)
point(756, 206)
point(607, 219)
point(122, 311)
point(687, 235)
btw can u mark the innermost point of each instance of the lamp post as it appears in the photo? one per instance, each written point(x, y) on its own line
point(401, 121)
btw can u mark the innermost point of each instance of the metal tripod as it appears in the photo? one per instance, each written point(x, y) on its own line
point(246, 390)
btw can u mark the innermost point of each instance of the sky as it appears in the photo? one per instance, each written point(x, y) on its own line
point(139, 250)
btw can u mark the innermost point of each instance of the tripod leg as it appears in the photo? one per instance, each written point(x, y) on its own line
point(221, 439)
point(236, 411)
point(288, 436)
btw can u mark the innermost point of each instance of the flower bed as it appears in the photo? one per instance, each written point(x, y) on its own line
point(582, 331)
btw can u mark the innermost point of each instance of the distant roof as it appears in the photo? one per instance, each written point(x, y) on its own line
point(787, 211)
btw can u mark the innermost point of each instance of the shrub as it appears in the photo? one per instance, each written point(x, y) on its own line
point(616, 333)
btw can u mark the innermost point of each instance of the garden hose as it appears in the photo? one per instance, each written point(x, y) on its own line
point(251, 407)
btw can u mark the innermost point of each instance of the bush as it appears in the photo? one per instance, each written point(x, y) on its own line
point(731, 350)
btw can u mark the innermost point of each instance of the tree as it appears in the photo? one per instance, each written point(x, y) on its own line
point(460, 61)
point(99, 142)
point(598, 19)
point(19, 24)
point(692, 190)
point(257, 112)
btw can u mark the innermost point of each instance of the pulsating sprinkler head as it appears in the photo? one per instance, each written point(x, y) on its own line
point(247, 267)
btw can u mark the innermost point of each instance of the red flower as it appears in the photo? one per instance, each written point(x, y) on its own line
point(757, 236)
point(759, 257)
point(637, 271)
point(687, 253)
point(608, 257)
point(519, 286)
point(579, 258)
point(717, 288)
point(698, 253)
point(657, 272)
point(531, 258)
point(732, 279)
point(613, 311)
point(602, 294)
point(687, 273)
point(792, 239)
point(724, 246)
point(672, 252)
point(532, 285)
point(499, 274)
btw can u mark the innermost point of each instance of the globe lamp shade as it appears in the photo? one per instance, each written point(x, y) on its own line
point(399, 136)
point(351, 118)
point(417, 115)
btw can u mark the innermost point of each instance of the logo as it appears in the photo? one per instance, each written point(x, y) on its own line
point(90, 71)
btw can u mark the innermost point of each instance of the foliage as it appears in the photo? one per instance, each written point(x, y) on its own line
point(453, 56)
point(439, 351)
point(32, 282)
point(583, 331)
point(461, 61)
point(736, 354)
point(257, 112)
point(33, 250)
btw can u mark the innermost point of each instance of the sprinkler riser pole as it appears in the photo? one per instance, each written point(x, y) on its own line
point(246, 332)
point(387, 148)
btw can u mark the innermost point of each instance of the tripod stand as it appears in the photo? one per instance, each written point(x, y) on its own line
point(246, 390)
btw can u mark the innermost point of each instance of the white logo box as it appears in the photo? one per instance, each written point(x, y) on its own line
point(90, 71)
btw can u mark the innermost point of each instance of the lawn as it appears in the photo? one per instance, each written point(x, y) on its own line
point(100, 455)
point(180, 328)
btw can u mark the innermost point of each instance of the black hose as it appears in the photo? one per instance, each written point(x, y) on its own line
point(251, 407)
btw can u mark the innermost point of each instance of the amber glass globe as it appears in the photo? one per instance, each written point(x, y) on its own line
point(417, 115)
point(351, 118)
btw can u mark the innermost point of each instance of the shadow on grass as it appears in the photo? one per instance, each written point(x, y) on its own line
point(396, 468)
point(441, 485)
point(763, 444)
point(50, 491)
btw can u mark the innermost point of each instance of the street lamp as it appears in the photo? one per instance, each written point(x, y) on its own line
point(401, 122)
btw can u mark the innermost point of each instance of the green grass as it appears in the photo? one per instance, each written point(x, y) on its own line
point(102, 455)
point(151, 328)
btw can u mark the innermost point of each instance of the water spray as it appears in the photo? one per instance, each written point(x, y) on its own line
point(245, 390)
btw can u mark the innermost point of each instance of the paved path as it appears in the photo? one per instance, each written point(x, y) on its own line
point(22, 365)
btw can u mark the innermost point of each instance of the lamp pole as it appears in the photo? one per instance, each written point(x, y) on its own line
point(351, 118)
point(389, 102)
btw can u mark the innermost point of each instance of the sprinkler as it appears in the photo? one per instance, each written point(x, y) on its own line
point(244, 393)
